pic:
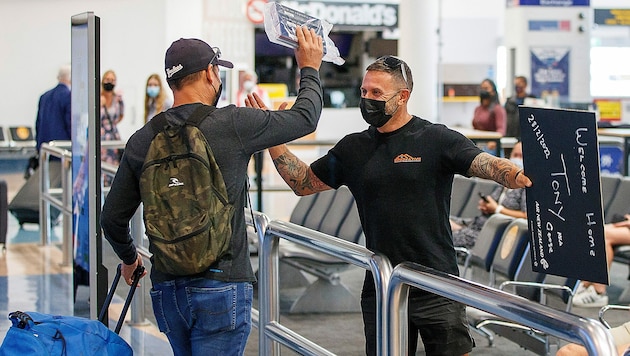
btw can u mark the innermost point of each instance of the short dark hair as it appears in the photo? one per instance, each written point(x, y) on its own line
point(179, 83)
point(394, 66)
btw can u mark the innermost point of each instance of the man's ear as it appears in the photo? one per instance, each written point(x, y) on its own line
point(405, 94)
point(209, 73)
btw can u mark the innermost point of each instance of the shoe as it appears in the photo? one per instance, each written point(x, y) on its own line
point(589, 298)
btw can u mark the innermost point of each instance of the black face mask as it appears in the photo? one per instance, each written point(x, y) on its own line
point(484, 94)
point(108, 86)
point(216, 99)
point(373, 111)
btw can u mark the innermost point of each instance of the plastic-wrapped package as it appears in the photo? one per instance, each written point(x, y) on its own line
point(280, 24)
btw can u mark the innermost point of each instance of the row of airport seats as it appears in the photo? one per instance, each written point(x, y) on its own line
point(16, 138)
point(332, 212)
point(499, 259)
point(615, 201)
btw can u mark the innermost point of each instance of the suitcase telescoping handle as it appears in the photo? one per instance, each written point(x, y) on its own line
point(136, 278)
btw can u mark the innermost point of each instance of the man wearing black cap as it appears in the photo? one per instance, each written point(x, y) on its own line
point(210, 312)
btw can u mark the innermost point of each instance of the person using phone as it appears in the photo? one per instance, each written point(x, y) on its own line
point(593, 295)
point(501, 200)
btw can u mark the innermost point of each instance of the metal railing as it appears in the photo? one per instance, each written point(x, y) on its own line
point(271, 330)
point(61, 198)
point(392, 291)
point(589, 332)
point(136, 227)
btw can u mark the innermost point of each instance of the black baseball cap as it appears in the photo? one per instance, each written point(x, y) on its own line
point(190, 55)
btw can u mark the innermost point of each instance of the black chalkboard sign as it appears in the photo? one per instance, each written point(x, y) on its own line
point(564, 205)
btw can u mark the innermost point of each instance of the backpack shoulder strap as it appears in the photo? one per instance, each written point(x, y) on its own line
point(199, 115)
point(159, 122)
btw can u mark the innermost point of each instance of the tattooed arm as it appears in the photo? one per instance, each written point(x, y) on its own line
point(501, 170)
point(297, 174)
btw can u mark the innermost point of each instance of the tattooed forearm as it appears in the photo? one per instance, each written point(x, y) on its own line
point(500, 170)
point(298, 174)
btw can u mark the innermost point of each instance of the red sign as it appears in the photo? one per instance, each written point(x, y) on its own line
point(254, 11)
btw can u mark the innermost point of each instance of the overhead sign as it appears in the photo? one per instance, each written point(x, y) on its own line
point(564, 204)
point(556, 3)
point(350, 14)
point(549, 25)
point(254, 11)
point(612, 17)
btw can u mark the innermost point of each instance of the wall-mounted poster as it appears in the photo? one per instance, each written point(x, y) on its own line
point(550, 74)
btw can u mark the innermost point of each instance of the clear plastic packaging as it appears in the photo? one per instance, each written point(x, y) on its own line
point(280, 24)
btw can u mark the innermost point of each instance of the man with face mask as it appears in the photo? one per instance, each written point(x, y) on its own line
point(511, 106)
point(209, 313)
point(400, 171)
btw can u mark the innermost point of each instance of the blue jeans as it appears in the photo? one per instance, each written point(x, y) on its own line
point(203, 316)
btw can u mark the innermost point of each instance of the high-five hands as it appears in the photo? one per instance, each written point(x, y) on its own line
point(254, 101)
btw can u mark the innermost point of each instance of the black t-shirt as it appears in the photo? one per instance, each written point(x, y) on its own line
point(402, 183)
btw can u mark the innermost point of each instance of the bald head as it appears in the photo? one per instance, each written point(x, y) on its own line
point(65, 74)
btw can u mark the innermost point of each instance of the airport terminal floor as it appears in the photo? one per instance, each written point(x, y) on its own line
point(33, 279)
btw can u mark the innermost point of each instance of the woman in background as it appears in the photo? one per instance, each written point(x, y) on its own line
point(155, 98)
point(112, 112)
point(490, 115)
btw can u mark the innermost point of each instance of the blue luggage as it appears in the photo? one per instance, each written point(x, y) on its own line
point(34, 333)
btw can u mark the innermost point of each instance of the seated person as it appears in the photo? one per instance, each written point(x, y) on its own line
point(593, 295)
point(621, 339)
point(502, 200)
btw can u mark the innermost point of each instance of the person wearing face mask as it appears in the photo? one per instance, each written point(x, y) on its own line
point(155, 99)
point(210, 313)
point(112, 112)
point(400, 171)
point(489, 115)
point(249, 84)
point(501, 200)
point(511, 106)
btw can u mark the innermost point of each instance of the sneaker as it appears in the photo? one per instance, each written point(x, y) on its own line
point(589, 298)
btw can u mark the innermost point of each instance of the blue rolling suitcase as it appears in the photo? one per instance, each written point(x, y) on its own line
point(34, 333)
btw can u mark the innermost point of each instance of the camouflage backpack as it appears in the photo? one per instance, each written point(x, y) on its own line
point(186, 212)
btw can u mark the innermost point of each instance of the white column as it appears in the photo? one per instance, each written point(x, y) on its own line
point(418, 46)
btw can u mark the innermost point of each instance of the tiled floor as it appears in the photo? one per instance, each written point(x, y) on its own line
point(32, 278)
